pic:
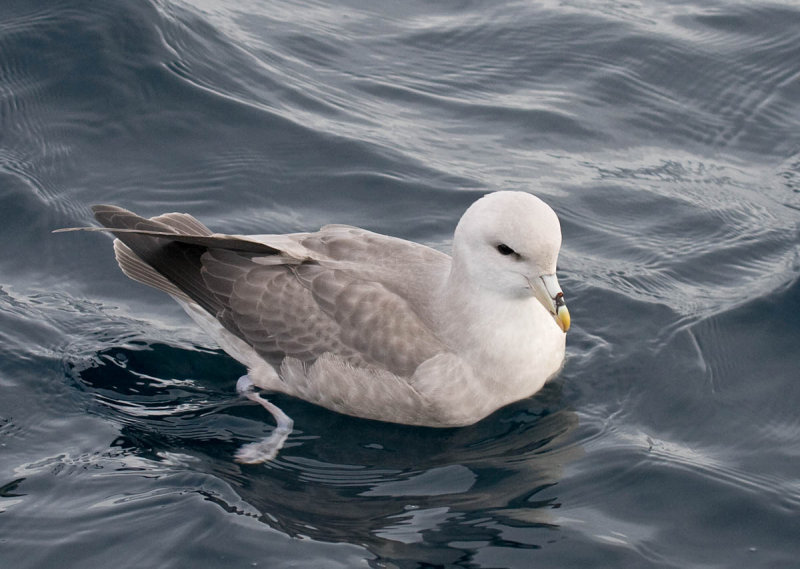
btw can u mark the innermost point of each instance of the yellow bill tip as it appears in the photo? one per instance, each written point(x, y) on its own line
point(563, 319)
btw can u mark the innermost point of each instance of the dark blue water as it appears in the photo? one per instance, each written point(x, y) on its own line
point(665, 134)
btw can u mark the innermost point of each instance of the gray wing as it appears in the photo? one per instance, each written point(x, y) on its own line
point(408, 269)
point(165, 245)
point(357, 295)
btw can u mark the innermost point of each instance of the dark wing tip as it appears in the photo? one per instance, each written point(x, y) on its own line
point(105, 207)
point(105, 213)
point(102, 213)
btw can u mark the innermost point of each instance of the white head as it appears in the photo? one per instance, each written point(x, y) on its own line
point(507, 243)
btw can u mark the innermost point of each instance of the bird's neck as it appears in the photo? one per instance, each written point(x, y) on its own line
point(515, 333)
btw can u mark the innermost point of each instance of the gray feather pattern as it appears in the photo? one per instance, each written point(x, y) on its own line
point(297, 309)
point(367, 324)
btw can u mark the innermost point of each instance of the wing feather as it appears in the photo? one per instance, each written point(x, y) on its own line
point(342, 292)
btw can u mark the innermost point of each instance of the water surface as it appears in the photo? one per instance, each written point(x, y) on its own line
point(665, 135)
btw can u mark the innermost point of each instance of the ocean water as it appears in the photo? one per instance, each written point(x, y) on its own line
point(666, 135)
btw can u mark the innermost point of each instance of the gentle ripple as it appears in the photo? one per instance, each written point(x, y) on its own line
point(665, 135)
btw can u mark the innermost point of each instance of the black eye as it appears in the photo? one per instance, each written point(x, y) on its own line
point(504, 249)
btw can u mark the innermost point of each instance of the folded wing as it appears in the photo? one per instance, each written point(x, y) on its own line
point(342, 291)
